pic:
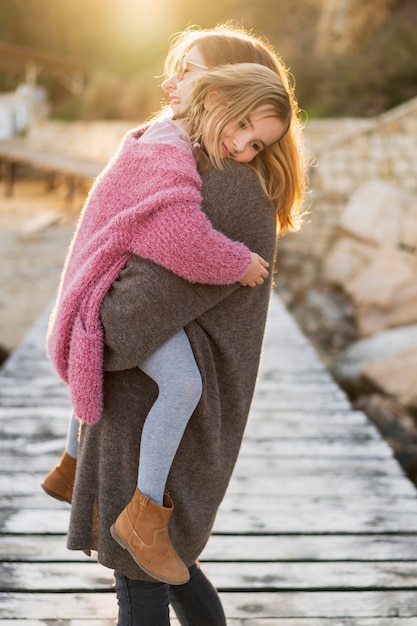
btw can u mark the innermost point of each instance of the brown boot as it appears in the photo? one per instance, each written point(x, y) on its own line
point(142, 530)
point(59, 482)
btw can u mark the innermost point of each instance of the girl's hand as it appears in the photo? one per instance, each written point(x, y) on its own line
point(256, 273)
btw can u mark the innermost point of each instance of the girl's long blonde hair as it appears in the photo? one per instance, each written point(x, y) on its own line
point(228, 96)
point(282, 168)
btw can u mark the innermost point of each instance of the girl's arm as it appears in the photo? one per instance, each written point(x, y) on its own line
point(176, 233)
point(147, 304)
point(182, 239)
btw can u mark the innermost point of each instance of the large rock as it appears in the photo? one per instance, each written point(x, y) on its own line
point(348, 367)
point(395, 376)
point(345, 260)
point(374, 259)
point(404, 305)
point(377, 287)
point(382, 215)
point(381, 284)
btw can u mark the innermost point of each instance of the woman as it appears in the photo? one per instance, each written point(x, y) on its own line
point(225, 326)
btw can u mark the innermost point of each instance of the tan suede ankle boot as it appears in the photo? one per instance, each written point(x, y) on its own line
point(59, 483)
point(142, 530)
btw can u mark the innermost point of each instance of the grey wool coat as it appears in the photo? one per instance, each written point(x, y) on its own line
point(225, 326)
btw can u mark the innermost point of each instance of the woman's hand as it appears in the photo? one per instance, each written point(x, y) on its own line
point(256, 273)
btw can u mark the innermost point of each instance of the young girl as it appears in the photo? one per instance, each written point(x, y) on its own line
point(147, 202)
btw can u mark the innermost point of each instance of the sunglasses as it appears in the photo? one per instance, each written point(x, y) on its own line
point(183, 67)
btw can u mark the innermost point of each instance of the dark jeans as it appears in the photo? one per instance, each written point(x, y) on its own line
point(142, 603)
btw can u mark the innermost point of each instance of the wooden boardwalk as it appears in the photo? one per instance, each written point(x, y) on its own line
point(319, 526)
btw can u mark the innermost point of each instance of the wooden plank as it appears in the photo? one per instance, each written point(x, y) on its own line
point(20, 483)
point(306, 517)
point(319, 604)
point(293, 401)
point(321, 485)
point(41, 456)
point(59, 622)
point(75, 577)
point(262, 621)
point(303, 466)
point(342, 447)
point(308, 576)
point(270, 417)
point(87, 622)
point(308, 504)
point(47, 606)
point(59, 413)
point(321, 621)
point(247, 548)
point(238, 606)
point(239, 548)
point(26, 520)
point(29, 420)
point(298, 514)
point(34, 548)
point(91, 577)
point(317, 447)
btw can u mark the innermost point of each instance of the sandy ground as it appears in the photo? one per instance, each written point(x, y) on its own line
point(35, 230)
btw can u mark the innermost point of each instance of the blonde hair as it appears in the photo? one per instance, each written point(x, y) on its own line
point(282, 168)
point(234, 92)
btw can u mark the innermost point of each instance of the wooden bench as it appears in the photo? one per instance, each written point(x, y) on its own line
point(72, 170)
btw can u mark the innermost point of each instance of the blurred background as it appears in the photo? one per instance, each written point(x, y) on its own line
point(349, 57)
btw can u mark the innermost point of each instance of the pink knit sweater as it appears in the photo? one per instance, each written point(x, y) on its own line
point(146, 202)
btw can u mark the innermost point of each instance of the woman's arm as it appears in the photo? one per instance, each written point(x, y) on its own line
point(145, 306)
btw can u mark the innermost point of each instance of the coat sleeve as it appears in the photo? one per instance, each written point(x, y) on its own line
point(134, 327)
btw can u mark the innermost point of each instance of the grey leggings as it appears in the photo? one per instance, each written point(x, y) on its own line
point(174, 370)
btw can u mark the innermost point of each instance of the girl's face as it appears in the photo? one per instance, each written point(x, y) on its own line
point(179, 86)
point(244, 139)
